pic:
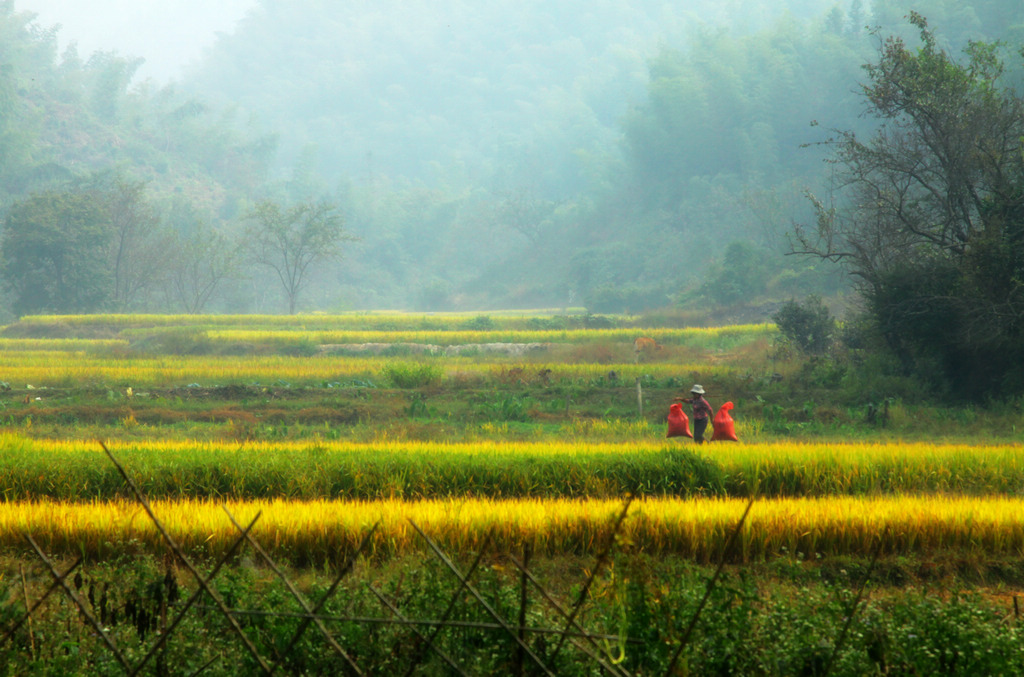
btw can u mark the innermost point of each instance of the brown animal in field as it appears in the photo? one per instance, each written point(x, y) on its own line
point(513, 375)
point(645, 344)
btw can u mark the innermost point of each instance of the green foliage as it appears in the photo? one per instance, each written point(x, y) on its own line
point(752, 625)
point(412, 374)
point(62, 121)
point(949, 303)
point(629, 299)
point(183, 341)
point(951, 637)
point(809, 324)
point(741, 277)
point(54, 256)
point(435, 295)
point(708, 115)
point(369, 473)
point(479, 323)
point(540, 209)
point(200, 263)
point(507, 408)
point(598, 322)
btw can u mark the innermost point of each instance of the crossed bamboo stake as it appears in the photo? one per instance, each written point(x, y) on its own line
point(571, 632)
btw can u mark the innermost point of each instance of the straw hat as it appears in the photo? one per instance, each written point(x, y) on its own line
point(697, 389)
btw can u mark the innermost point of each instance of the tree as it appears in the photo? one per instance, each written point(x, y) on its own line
point(931, 221)
point(139, 247)
point(290, 240)
point(524, 212)
point(742, 275)
point(201, 261)
point(809, 325)
point(111, 76)
point(53, 257)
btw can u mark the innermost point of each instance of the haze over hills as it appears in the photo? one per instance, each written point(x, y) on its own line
point(492, 123)
point(169, 34)
point(613, 155)
point(418, 88)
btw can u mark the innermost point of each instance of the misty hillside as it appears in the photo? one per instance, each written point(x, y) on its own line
point(617, 156)
point(522, 153)
point(426, 89)
point(514, 154)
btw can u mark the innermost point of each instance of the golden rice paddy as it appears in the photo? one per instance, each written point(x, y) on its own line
point(316, 531)
point(982, 515)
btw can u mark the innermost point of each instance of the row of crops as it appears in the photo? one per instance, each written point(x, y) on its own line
point(490, 440)
point(66, 487)
point(318, 501)
point(443, 329)
point(69, 369)
point(318, 532)
point(78, 471)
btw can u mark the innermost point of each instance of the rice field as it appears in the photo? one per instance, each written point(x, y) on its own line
point(55, 368)
point(500, 435)
point(324, 531)
point(558, 490)
point(689, 336)
point(78, 470)
point(387, 326)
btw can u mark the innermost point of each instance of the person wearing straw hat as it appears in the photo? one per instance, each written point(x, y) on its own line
point(701, 411)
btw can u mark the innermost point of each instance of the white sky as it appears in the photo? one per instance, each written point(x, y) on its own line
point(168, 34)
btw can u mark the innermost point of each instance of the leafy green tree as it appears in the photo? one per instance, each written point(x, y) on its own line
point(290, 240)
point(54, 253)
point(931, 221)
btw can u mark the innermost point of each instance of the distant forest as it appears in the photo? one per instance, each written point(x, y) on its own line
point(615, 156)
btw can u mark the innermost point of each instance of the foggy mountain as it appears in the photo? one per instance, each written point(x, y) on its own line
point(616, 156)
point(425, 89)
point(467, 136)
point(169, 34)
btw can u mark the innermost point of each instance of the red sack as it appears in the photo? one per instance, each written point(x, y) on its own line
point(725, 427)
point(678, 423)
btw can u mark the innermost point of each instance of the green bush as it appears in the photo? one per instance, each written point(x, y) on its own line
point(184, 341)
point(809, 325)
point(412, 374)
point(478, 323)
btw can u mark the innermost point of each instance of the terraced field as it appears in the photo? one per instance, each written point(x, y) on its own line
point(347, 435)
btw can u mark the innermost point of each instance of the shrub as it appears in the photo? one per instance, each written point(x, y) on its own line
point(179, 341)
point(809, 325)
point(411, 374)
point(479, 323)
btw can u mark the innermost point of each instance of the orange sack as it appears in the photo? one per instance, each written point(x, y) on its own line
point(678, 422)
point(725, 427)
